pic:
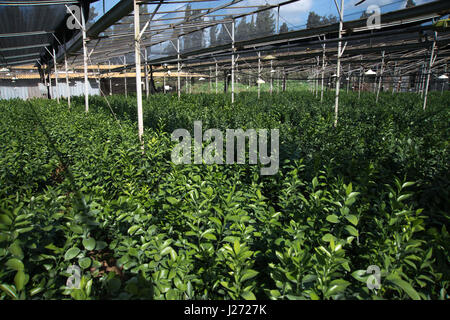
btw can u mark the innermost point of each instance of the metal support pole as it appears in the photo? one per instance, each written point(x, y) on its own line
point(209, 90)
point(381, 76)
point(339, 55)
point(278, 81)
point(430, 65)
point(137, 57)
point(50, 83)
point(236, 79)
point(394, 78)
point(259, 74)
point(374, 87)
point(56, 76)
point(363, 80)
point(146, 74)
point(352, 81)
point(444, 80)
point(125, 76)
point(323, 69)
point(179, 68)
point(85, 62)
point(216, 78)
point(100, 81)
point(110, 80)
point(164, 83)
point(278, 20)
point(422, 79)
point(45, 83)
point(416, 81)
point(232, 61)
point(316, 74)
point(190, 84)
point(359, 80)
point(271, 78)
point(348, 77)
point(67, 80)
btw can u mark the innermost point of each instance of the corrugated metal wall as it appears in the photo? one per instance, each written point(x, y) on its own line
point(27, 89)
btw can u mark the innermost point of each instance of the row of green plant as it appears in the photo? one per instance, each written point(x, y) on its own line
point(76, 190)
point(242, 85)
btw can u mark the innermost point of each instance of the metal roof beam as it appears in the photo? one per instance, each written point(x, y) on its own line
point(116, 13)
point(22, 56)
point(21, 62)
point(430, 8)
point(24, 34)
point(25, 47)
point(37, 3)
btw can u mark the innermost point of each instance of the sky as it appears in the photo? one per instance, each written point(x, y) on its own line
point(294, 14)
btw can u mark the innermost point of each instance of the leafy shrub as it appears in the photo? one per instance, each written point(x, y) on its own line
point(75, 189)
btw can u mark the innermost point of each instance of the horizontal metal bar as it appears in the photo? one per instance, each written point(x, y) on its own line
point(116, 13)
point(197, 9)
point(18, 62)
point(22, 55)
point(24, 34)
point(25, 47)
point(148, 2)
point(36, 3)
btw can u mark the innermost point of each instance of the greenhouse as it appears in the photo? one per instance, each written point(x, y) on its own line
point(224, 150)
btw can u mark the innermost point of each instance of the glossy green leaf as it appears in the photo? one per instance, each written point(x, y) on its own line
point(328, 237)
point(172, 200)
point(352, 219)
point(16, 250)
point(249, 274)
point(171, 295)
point(19, 280)
point(333, 218)
point(89, 243)
point(248, 295)
point(4, 219)
point(350, 229)
point(85, 262)
point(133, 229)
point(15, 264)
point(71, 253)
point(405, 286)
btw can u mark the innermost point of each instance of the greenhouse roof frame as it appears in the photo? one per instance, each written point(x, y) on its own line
point(28, 27)
point(392, 22)
point(124, 8)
